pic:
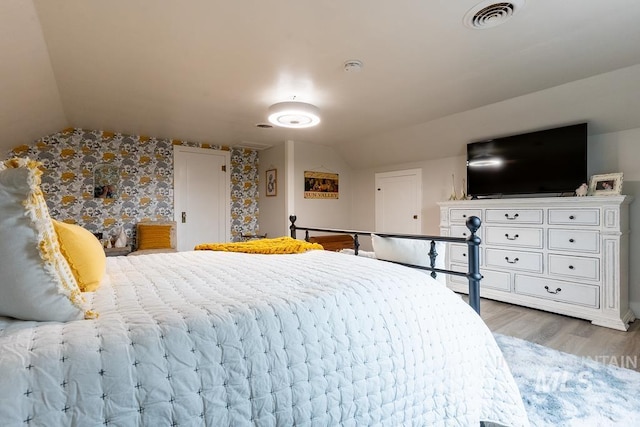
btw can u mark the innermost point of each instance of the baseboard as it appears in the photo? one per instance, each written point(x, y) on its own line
point(635, 307)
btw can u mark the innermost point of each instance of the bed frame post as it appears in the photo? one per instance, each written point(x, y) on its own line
point(433, 254)
point(474, 276)
point(292, 227)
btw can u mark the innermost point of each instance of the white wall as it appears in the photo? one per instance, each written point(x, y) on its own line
point(437, 184)
point(335, 213)
point(30, 106)
point(271, 210)
point(620, 152)
point(291, 160)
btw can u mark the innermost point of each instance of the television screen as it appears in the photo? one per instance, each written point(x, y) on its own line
point(543, 162)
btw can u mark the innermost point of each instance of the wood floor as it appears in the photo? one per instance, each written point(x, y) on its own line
point(564, 333)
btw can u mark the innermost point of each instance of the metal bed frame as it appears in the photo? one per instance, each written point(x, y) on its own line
point(472, 241)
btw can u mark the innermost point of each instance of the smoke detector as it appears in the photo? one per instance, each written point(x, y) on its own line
point(490, 13)
point(353, 66)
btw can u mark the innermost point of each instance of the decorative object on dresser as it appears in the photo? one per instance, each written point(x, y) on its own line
point(564, 255)
point(605, 185)
point(583, 190)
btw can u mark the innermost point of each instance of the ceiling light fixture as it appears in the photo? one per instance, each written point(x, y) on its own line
point(293, 114)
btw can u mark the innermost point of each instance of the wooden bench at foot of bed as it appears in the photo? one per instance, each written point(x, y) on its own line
point(333, 242)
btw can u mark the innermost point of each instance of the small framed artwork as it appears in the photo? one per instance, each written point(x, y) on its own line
point(106, 179)
point(605, 185)
point(272, 182)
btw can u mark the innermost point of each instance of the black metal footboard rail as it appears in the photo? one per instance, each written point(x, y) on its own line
point(472, 241)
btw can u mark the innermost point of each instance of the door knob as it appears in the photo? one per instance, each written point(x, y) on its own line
point(415, 217)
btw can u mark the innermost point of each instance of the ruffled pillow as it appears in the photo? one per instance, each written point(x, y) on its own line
point(37, 282)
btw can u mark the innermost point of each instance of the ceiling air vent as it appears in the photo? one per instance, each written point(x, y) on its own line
point(488, 14)
point(252, 145)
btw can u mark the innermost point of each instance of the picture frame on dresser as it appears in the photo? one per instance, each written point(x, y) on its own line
point(606, 184)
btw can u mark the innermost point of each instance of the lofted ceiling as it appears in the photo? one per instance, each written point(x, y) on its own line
point(207, 70)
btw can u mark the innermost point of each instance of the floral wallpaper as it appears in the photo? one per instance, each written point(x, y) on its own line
point(145, 187)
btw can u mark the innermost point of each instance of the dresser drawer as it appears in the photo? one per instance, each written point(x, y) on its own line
point(580, 267)
point(513, 236)
point(461, 215)
point(574, 240)
point(589, 216)
point(459, 231)
point(514, 260)
point(514, 216)
point(495, 280)
point(572, 293)
point(490, 279)
point(458, 253)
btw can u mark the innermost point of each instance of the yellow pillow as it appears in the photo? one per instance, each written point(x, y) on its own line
point(153, 236)
point(84, 254)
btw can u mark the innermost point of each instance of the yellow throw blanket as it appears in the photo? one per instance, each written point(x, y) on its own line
point(280, 245)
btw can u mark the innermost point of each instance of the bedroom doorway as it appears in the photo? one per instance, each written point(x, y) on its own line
point(398, 201)
point(201, 187)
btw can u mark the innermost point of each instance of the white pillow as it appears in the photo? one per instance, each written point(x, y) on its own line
point(409, 251)
point(36, 281)
point(363, 254)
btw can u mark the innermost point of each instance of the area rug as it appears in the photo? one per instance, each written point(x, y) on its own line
point(560, 389)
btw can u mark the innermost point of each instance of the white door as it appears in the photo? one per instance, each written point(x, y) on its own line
point(399, 201)
point(201, 196)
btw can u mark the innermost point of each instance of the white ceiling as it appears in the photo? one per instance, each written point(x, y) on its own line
point(207, 70)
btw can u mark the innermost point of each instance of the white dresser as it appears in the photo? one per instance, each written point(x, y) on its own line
point(567, 255)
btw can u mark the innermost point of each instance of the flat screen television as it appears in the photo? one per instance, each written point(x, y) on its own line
point(542, 162)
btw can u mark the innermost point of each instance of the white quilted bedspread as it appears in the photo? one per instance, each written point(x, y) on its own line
point(227, 339)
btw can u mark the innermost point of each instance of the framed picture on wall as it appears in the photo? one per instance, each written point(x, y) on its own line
point(605, 185)
point(106, 179)
point(271, 182)
point(320, 185)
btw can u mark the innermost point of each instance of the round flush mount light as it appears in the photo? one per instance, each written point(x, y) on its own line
point(293, 114)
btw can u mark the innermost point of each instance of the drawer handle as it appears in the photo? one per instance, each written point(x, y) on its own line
point(511, 238)
point(571, 267)
point(464, 215)
point(571, 240)
point(511, 217)
point(572, 217)
point(515, 260)
point(552, 292)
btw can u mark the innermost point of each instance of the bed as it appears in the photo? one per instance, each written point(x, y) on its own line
point(216, 338)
